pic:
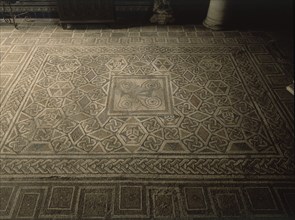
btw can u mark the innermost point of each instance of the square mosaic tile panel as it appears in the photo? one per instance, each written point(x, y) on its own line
point(181, 111)
point(139, 95)
point(138, 199)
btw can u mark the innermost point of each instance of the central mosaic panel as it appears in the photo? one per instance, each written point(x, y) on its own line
point(140, 95)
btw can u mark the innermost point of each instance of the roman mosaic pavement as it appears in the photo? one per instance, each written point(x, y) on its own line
point(167, 122)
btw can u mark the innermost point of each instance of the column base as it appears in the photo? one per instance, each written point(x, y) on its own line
point(290, 88)
point(213, 25)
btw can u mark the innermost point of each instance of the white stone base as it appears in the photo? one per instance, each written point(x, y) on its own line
point(213, 25)
point(290, 88)
point(218, 15)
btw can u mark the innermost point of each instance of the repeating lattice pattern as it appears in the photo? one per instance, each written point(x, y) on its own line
point(141, 101)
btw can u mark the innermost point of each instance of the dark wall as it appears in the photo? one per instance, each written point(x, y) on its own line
point(247, 13)
point(266, 13)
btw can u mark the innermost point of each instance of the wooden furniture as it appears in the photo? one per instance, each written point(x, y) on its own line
point(85, 11)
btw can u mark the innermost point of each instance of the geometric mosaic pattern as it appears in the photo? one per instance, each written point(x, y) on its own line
point(149, 122)
point(136, 200)
point(140, 96)
point(207, 101)
point(67, 111)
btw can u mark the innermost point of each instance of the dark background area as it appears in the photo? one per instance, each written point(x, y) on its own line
point(246, 13)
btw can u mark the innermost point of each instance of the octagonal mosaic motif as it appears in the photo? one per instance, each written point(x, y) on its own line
point(132, 136)
point(210, 65)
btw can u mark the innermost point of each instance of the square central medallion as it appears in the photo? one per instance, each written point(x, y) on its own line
point(140, 95)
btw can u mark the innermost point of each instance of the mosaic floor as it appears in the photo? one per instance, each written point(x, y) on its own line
point(167, 122)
